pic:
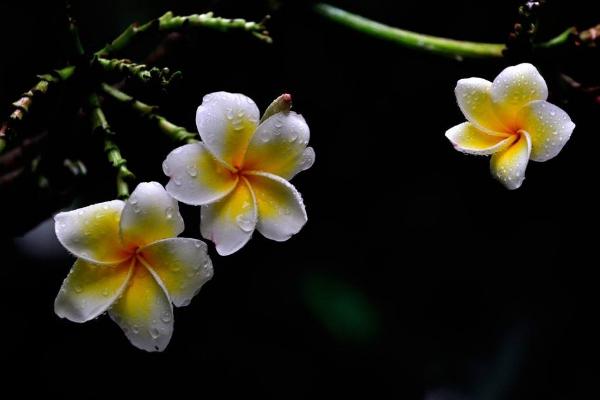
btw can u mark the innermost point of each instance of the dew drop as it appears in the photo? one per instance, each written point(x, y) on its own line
point(135, 329)
point(191, 170)
point(165, 317)
point(177, 182)
point(244, 223)
point(78, 289)
point(105, 292)
point(169, 212)
point(155, 333)
point(229, 114)
point(166, 169)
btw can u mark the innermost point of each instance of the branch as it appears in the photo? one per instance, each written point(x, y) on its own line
point(113, 153)
point(140, 72)
point(433, 44)
point(165, 24)
point(170, 23)
point(175, 132)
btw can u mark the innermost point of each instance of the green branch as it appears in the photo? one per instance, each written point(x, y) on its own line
point(113, 153)
point(427, 43)
point(175, 132)
point(165, 24)
point(140, 72)
point(170, 23)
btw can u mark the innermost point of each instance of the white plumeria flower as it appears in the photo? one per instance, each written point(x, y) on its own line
point(131, 263)
point(240, 172)
point(510, 119)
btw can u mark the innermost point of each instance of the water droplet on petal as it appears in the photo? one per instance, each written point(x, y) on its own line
point(135, 329)
point(244, 223)
point(191, 170)
point(77, 289)
point(166, 317)
point(169, 212)
point(155, 333)
point(166, 169)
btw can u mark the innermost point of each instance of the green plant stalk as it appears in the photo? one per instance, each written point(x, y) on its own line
point(170, 23)
point(175, 132)
point(427, 43)
point(140, 72)
point(165, 24)
point(113, 153)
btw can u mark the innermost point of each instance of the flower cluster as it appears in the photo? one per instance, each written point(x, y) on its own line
point(130, 262)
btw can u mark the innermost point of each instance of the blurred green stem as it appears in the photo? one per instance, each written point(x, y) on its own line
point(427, 43)
point(175, 132)
point(164, 24)
point(170, 23)
point(113, 153)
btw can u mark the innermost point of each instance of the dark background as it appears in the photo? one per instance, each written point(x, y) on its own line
point(417, 276)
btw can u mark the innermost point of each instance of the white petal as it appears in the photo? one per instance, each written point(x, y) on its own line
point(196, 176)
point(468, 139)
point(474, 99)
point(281, 212)
point(226, 123)
point(144, 312)
point(515, 87)
point(150, 214)
point(549, 127)
point(92, 233)
point(278, 146)
point(230, 222)
point(90, 289)
point(182, 264)
point(508, 166)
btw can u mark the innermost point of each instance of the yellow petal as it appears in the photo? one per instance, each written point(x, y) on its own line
point(509, 166)
point(92, 233)
point(182, 264)
point(230, 222)
point(197, 177)
point(150, 214)
point(467, 138)
point(475, 102)
point(145, 312)
point(90, 289)
point(513, 88)
point(549, 127)
point(226, 123)
point(281, 212)
point(279, 146)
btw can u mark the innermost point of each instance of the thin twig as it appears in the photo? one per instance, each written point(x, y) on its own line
point(175, 132)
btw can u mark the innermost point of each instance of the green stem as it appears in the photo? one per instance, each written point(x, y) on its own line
point(427, 43)
point(140, 72)
point(170, 23)
point(165, 24)
point(113, 153)
point(175, 132)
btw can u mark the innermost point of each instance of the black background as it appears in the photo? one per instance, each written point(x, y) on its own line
point(417, 276)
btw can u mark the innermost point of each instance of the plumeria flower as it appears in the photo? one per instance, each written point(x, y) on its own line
point(239, 173)
point(131, 263)
point(511, 120)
